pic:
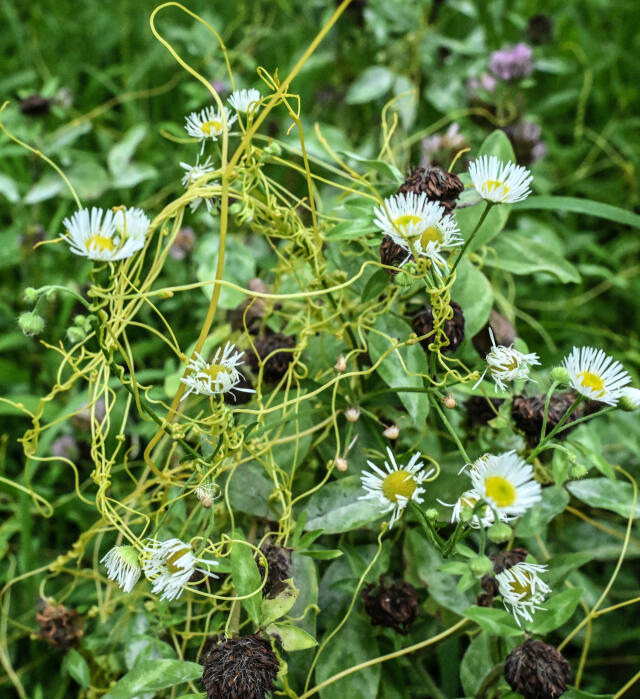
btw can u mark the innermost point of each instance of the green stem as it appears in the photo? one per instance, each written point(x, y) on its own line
point(431, 533)
point(556, 429)
point(546, 409)
point(452, 432)
point(487, 208)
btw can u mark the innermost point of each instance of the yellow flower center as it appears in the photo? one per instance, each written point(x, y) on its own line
point(100, 242)
point(510, 366)
point(404, 221)
point(492, 186)
point(592, 381)
point(172, 560)
point(399, 484)
point(500, 491)
point(431, 234)
point(522, 590)
point(213, 125)
point(214, 370)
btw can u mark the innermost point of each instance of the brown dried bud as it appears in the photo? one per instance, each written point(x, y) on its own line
point(341, 364)
point(35, 105)
point(60, 626)
point(449, 402)
point(239, 668)
point(537, 670)
point(342, 464)
point(507, 559)
point(528, 414)
point(395, 605)
point(279, 562)
point(479, 410)
point(352, 413)
point(503, 331)
point(392, 254)
point(277, 364)
point(437, 184)
point(391, 432)
point(453, 327)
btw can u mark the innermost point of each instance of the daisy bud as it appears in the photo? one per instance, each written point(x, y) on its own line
point(31, 323)
point(630, 399)
point(499, 533)
point(341, 364)
point(206, 493)
point(561, 375)
point(31, 294)
point(391, 432)
point(537, 670)
point(449, 402)
point(352, 414)
point(432, 514)
point(466, 514)
point(480, 566)
point(123, 566)
point(578, 471)
point(273, 149)
point(403, 279)
point(75, 334)
point(341, 464)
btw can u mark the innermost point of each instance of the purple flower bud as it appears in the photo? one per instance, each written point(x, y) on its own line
point(512, 63)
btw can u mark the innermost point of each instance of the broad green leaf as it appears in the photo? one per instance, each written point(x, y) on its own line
point(321, 554)
point(246, 577)
point(89, 179)
point(554, 500)
point(277, 607)
point(47, 187)
point(476, 664)
point(336, 508)
point(556, 611)
point(351, 230)
point(121, 153)
point(77, 668)
point(133, 174)
point(562, 564)
point(9, 188)
point(616, 496)
point(374, 82)
point(378, 281)
point(386, 169)
point(515, 252)
point(406, 103)
point(291, 637)
point(353, 644)
point(304, 574)
point(140, 647)
point(473, 292)
point(391, 370)
point(154, 676)
point(581, 206)
point(497, 622)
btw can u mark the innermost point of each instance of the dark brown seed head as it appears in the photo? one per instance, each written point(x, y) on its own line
point(528, 414)
point(537, 670)
point(479, 409)
point(392, 254)
point(277, 364)
point(503, 332)
point(453, 327)
point(60, 626)
point(490, 586)
point(507, 559)
point(251, 310)
point(437, 184)
point(35, 105)
point(279, 561)
point(395, 605)
point(239, 668)
point(539, 29)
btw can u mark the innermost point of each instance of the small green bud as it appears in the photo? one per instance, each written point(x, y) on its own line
point(273, 149)
point(578, 471)
point(499, 532)
point(560, 374)
point(466, 514)
point(403, 279)
point(79, 320)
point(75, 334)
point(31, 294)
point(629, 400)
point(432, 514)
point(235, 208)
point(480, 566)
point(31, 323)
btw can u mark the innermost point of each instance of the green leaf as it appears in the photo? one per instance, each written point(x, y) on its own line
point(253, 500)
point(47, 187)
point(353, 229)
point(377, 282)
point(473, 292)
point(291, 637)
point(406, 103)
point(121, 153)
point(246, 577)
point(89, 179)
point(321, 554)
point(336, 508)
point(516, 252)
point(386, 169)
point(374, 82)
point(77, 667)
point(133, 174)
point(553, 502)
point(616, 496)
point(497, 622)
point(557, 610)
point(9, 188)
point(391, 370)
point(476, 664)
point(280, 605)
point(154, 676)
point(581, 206)
point(573, 693)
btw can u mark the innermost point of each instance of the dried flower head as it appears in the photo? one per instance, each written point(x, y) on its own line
point(275, 353)
point(60, 626)
point(537, 670)
point(394, 604)
point(438, 184)
point(528, 414)
point(279, 564)
point(452, 327)
point(481, 410)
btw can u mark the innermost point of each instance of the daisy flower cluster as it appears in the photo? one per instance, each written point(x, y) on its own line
point(220, 375)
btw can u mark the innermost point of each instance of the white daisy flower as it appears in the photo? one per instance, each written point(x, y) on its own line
point(631, 396)
point(498, 182)
point(245, 100)
point(208, 123)
point(507, 364)
point(470, 499)
point(97, 236)
point(220, 375)
point(506, 482)
point(522, 590)
point(596, 375)
point(396, 486)
point(131, 223)
point(123, 566)
point(169, 565)
point(191, 176)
